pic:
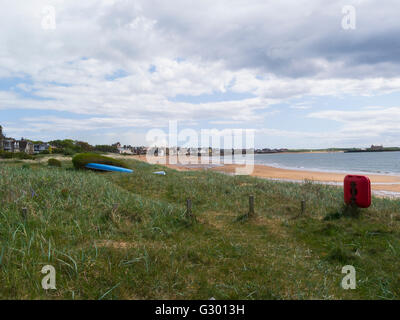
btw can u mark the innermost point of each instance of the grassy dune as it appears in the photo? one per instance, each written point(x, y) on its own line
point(126, 236)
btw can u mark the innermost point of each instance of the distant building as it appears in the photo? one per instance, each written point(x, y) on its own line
point(376, 148)
point(129, 149)
point(10, 145)
point(117, 145)
point(125, 150)
point(139, 150)
point(25, 146)
point(41, 147)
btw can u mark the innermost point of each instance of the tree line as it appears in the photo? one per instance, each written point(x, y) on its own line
point(71, 147)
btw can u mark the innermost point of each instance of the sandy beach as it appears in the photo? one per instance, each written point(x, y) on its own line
point(380, 183)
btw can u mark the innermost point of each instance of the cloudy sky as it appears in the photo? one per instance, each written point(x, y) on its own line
point(111, 70)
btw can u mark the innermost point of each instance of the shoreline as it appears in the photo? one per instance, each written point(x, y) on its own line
point(380, 183)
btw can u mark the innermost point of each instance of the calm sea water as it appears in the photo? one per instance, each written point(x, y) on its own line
point(372, 162)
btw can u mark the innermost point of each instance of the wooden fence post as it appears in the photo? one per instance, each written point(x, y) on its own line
point(24, 213)
point(189, 208)
point(251, 206)
point(303, 206)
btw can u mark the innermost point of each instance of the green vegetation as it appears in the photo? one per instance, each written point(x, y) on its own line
point(54, 163)
point(317, 150)
point(16, 155)
point(70, 147)
point(106, 148)
point(384, 149)
point(126, 236)
point(82, 159)
point(345, 150)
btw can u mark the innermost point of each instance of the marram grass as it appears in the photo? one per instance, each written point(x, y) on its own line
point(126, 236)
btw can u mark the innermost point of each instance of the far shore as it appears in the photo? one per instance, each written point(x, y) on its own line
point(301, 152)
point(380, 182)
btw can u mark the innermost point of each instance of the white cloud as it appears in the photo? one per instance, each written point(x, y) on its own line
point(97, 61)
point(376, 124)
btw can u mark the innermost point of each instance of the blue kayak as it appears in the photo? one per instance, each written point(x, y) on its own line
point(106, 167)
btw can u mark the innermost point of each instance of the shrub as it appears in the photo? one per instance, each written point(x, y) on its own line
point(54, 163)
point(23, 155)
point(82, 159)
point(68, 152)
point(16, 155)
point(6, 155)
point(58, 150)
point(106, 148)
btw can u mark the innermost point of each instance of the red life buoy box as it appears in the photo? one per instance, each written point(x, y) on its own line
point(357, 190)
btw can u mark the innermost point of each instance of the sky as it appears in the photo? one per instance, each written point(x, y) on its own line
point(301, 74)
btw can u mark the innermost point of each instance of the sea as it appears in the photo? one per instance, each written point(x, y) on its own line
point(386, 163)
point(362, 162)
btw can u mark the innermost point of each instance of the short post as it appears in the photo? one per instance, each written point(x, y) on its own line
point(189, 208)
point(24, 213)
point(352, 208)
point(113, 212)
point(251, 206)
point(353, 194)
point(303, 206)
point(115, 207)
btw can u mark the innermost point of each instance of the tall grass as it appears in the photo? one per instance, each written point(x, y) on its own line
point(68, 211)
point(125, 236)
